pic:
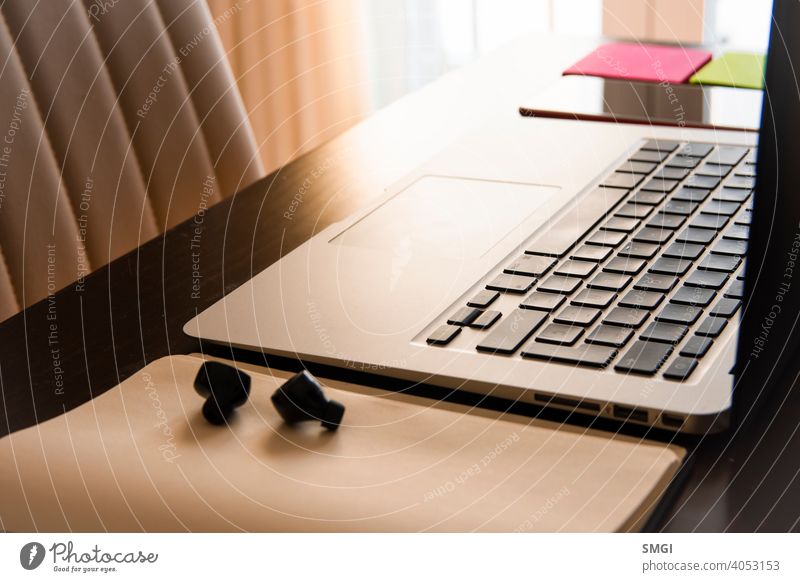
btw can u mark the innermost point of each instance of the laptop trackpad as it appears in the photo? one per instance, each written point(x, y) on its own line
point(457, 218)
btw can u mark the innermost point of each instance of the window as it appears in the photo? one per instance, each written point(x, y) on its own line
point(411, 42)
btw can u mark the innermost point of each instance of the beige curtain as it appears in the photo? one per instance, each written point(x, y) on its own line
point(300, 68)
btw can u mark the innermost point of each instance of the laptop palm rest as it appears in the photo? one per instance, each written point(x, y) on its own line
point(447, 217)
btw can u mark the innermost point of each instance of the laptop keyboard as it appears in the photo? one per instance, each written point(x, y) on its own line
point(648, 289)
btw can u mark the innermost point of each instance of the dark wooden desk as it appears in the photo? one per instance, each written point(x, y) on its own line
point(63, 351)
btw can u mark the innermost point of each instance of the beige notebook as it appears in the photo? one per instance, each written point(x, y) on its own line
point(141, 457)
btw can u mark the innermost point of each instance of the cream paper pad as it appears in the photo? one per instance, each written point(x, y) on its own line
point(142, 458)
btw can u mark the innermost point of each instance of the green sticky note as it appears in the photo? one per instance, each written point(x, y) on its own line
point(733, 69)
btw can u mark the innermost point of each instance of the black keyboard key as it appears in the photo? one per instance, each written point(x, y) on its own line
point(680, 368)
point(443, 335)
point(649, 156)
point(626, 317)
point(581, 316)
point(693, 296)
point(711, 326)
point(651, 198)
point(656, 282)
point(700, 236)
point(720, 263)
point(668, 173)
point(709, 221)
point(737, 232)
point(681, 250)
point(464, 316)
point(696, 346)
point(730, 155)
point(596, 298)
point(726, 307)
point(485, 320)
point(605, 238)
point(706, 280)
point(512, 331)
point(734, 248)
point(719, 207)
point(531, 265)
point(671, 266)
point(641, 299)
point(622, 180)
point(750, 156)
point(697, 150)
point(681, 314)
point(742, 182)
point(735, 290)
point(747, 169)
point(659, 185)
point(620, 224)
point(609, 282)
point(578, 219)
point(680, 207)
point(572, 268)
point(511, 283)
point(731, 195)
point(563, 335)
point(638, 250)
point(609, 335)
point(691, 194)
point(582, 355)
point(705, 182)
point(559, 284)
point(661, 145)
point(644, 358)
point(656, 236)
point(745, 183)
point(624, 266)
point(683, 162)
point(630, 167)
point(631, 210)
point(543, 301)
point(483, 299)
point(665, 333)
point(744, 218)
point(716, 170)
point(591, 253)
point(670, 221)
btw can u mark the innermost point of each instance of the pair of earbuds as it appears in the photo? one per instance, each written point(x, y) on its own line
point(299, 399)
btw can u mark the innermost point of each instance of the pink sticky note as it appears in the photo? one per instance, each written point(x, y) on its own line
point(641, 62)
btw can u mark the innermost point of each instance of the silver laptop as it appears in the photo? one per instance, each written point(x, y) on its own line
point(588, 266)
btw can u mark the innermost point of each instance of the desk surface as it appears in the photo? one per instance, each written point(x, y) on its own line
point(63, 351)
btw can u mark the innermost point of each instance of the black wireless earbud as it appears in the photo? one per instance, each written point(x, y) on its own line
point(224, 387)
point(301, 398)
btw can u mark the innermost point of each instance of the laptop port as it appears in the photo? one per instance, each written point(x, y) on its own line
point(671, 420)
point(561, 401)
point(627, 413)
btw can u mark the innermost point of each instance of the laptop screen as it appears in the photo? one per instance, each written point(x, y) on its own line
point(769, 334)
